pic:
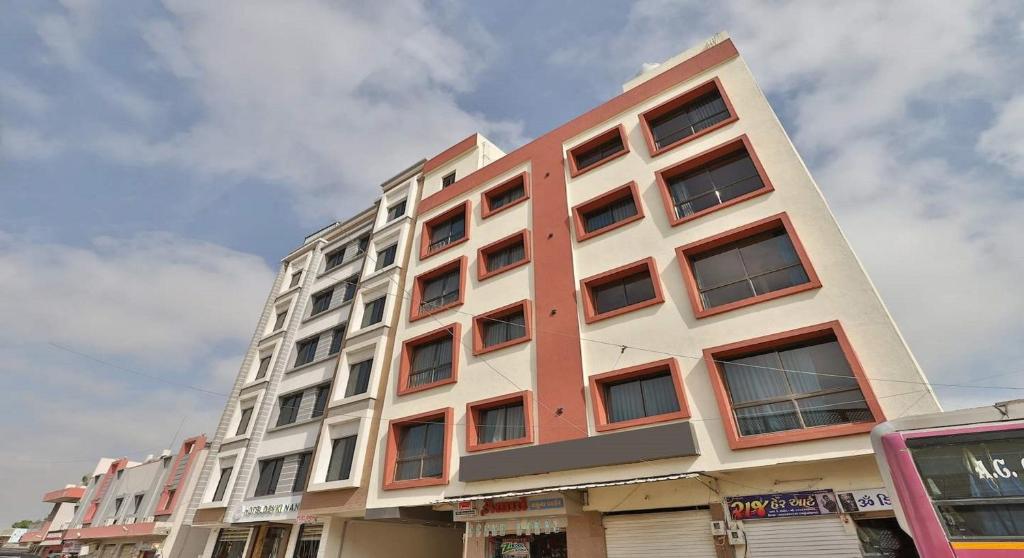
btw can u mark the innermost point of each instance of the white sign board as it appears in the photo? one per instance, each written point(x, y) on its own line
point(268, 509)
point(867, 500)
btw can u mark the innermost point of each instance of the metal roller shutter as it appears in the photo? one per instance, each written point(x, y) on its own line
point(660, 535)
point(800, 536)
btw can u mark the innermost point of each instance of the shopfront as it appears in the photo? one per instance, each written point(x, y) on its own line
point(848, 524)
point(533, 526)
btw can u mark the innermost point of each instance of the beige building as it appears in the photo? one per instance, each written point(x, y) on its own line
point(641, 331)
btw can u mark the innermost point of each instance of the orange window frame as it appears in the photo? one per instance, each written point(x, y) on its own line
point(475, 408)
point(588, 284)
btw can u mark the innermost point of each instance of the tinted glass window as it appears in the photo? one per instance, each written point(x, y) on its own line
point(701, 113)
point(503, 328)
point(431, 362)
point(609, 215)
point(598, 153)
point(623, 292)
point(753, 266)
point(501, 423)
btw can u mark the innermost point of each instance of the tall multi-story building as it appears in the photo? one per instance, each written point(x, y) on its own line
point(290, 463)
point(134, 510)
point(641, 331)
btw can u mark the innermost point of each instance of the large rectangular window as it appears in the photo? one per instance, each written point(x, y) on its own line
point(289, 409)
point(269, 474)
point(747, 268)
point(342, 454)
point(334, 259)
point(447, 232)
point(444, 231)
point(358, 378)
point(608, 211)
point(421, 450)
point(222, 483)
point(373, 312)
point(627, 288)
point(503, 255)
point(803, 386)
point(440, 291)
point(641, 397)
point(305, 350)
point(502, 327)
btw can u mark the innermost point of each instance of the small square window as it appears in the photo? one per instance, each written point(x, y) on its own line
point(503, 255)
point(373, 312)
point(296, 278)
point(448, 180)
point(322, 301)
point(505, 195)
point(597, 151)
point(305, 350)
point(395, 211)
point(438, 289)
point(499, 422)
point(503, 327)
point(630, 287)
point(342, 454)
point(639, 395)
point(279, 321)
point(429, 360)
point(386, 257)
point(607, 212)
point(334, 259)
point(445, 231)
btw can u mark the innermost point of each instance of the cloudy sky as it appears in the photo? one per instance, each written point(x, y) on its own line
point(158, 158)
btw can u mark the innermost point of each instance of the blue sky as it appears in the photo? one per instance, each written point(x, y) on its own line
point(158, 158)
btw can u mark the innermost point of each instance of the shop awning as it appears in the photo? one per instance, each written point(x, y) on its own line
point(638, 480)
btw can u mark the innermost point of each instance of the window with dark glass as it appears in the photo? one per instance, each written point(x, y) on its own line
point(308, 543)
point(230, 543)
point(505, 196)
point(610, 214)
point(386, 256)
point(974, 482)
point(447, 232)
point(420, 451)
point(714, 183)
point(448, 180)
point(504, 257)
point(373, 312)
point(296, 277)
point(305, 351)
point(431, 362)
point(320, 403)
point(593, 155)
point(499, 424)
point(222, 483)
point(279, 322)
point(264, 367)
point(440, 291)
point(301, 472)
point(342, 452)
point(803, 386)
point(644, 396)
point(753, 266)
point(137, 503)
point(362, 244)
point(688, 119)
point(504, 328)
point(358, 378)
point(350, 288)
point(269, 473)
point(629, 290)
point(396, 211)
point(243, 421)
point(322, 301)
point(337, 337)
point(117, 504)
point(289, 409)
point(334, 259)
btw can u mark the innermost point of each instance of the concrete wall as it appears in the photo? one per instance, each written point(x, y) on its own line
point(366, 539)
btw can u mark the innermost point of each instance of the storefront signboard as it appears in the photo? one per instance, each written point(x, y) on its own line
point(868, 500)
point(783, 504)
point(509, 507)
point(269, 509)
point(523, 526)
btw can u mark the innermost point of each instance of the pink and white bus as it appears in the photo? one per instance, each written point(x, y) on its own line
point(957, 480)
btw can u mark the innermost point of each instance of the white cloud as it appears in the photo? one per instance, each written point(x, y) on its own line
point(16, 93)
point(17, 143)
point(150, 296)
point(1003, 143)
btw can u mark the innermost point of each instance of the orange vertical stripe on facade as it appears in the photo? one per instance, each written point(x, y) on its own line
point(561, 404)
